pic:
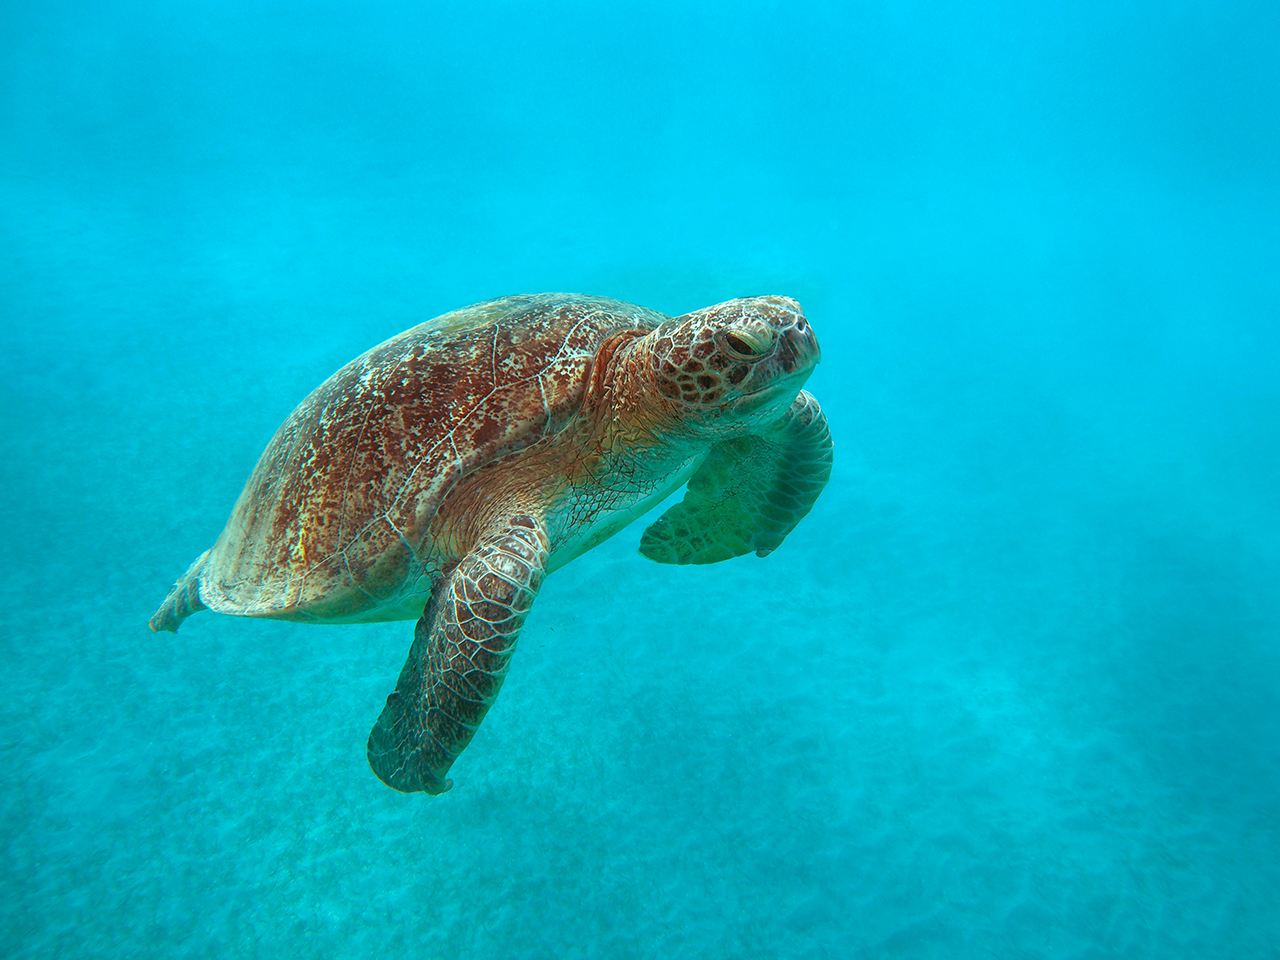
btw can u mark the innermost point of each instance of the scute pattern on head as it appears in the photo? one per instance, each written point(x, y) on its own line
point(335, 518)
point(704, 356)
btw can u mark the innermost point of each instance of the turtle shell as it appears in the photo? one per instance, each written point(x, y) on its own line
point(334, 524)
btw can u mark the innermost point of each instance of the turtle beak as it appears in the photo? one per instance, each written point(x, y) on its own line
point(798, 349)
point(795, 354)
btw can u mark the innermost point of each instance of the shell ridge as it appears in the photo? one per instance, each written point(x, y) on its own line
point(343, 540)
point(346, 565)
point(399, 497)
point(364, 425)
point(564, 353)
point(384, 423)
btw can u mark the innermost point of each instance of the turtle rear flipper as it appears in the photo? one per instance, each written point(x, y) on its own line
point(749, 493)
point(183, 600)
point(459, 658)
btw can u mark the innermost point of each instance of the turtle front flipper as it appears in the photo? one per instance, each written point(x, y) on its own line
point(749, 493)
point(459, 658)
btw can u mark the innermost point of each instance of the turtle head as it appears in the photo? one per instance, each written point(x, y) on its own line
point(744, 360)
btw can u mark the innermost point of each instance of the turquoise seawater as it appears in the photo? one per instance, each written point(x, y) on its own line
point(1012, 690)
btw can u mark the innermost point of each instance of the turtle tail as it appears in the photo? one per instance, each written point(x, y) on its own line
point(183, 599)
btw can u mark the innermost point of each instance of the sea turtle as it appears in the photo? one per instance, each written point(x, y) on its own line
point(444, 473)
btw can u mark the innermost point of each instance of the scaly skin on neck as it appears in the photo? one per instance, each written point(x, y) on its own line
point(629, 451)
point(622, 404)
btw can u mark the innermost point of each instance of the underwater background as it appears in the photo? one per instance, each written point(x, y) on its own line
point(1011, 690)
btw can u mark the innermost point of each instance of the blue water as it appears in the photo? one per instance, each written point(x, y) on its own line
point(1013, 688)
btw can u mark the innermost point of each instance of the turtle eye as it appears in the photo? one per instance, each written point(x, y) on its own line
point(748, 344)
